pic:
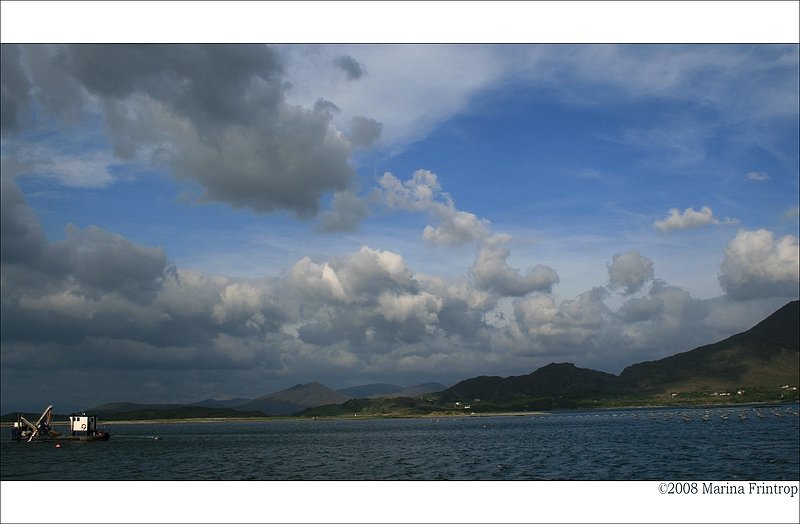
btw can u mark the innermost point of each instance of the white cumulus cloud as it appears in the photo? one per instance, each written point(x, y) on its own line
point(629, 271)
point(423, 193)
point(690, 219)
point(492, 272)
point(757, 265)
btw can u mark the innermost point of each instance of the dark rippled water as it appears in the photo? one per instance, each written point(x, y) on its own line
point(657, 444)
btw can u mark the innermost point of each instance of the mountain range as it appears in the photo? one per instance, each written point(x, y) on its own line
point(390, 390)
point(303, 396)
point(296, 398)
point(289, 401)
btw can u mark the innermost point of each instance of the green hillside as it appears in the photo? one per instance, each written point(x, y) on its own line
point(553, 380)
point(131, 411)
point(396, 407)
point(764, 357)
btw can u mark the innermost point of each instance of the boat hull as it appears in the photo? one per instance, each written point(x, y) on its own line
point(100, 436)
point(97, 437)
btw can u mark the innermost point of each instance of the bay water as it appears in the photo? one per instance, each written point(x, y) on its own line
point(730, 443)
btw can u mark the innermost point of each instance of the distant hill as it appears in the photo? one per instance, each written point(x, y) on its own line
point(370, 390)
point(420, 389)
point(121, 407)
point(231, 403)
point(563, 380)
point(295, 399)
point(390, 390)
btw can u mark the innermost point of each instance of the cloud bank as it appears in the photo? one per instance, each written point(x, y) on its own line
point(99, 300)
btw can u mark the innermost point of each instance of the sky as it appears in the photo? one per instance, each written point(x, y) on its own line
point(182, 222)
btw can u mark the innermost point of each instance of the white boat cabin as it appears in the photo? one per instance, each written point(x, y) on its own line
point(83, 424)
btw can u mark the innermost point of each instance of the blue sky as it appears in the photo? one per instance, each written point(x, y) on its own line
point(218, 221)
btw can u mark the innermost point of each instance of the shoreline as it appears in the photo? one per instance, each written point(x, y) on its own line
point(317, 419)
point(216, 420)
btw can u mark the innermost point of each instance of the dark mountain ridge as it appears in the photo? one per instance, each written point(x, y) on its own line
point(763, 356)
point(295, 399)
point(370, 390)
point(553, 380)
point(230, 403)
point(390, 390)
point(420, 389)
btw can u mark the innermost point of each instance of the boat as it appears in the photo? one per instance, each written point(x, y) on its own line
point(82, 427)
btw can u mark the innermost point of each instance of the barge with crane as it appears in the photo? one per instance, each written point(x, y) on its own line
point(82, 428)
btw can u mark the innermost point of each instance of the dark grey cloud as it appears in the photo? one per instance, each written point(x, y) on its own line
point(14, 90)
point(211, 114)
point(641, 309)
point(326, 106)
point(107, 262)
point(364, 132)
point(54, 90)
point(211, 85)
point(23, 239)
point(289, 163)
point(350, 66)
point(346, 212)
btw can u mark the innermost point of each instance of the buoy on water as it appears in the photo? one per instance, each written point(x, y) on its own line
point(58, 444)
